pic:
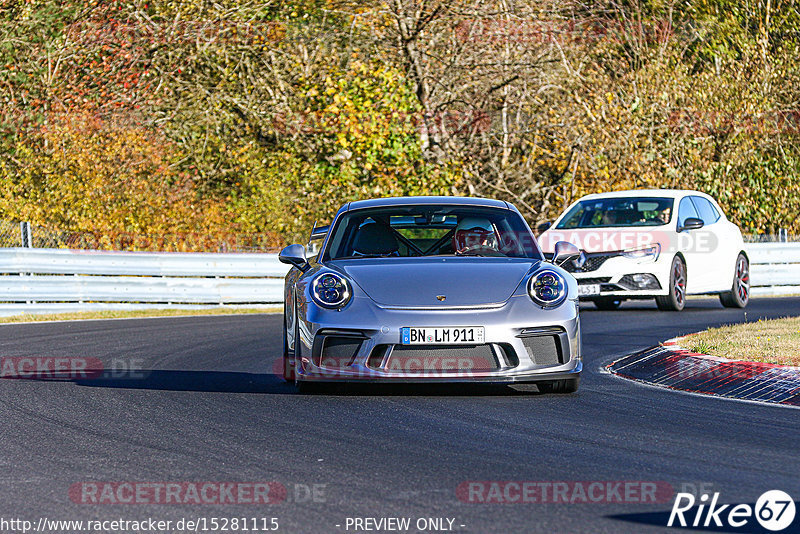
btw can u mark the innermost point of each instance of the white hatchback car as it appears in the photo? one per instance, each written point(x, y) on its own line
point(652, 243)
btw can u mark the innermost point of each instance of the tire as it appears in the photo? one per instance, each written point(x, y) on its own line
point(739, 295)
point(676, 299)
point(288, 358)
point(288, 370)
point(607, 303)
point(566, 385)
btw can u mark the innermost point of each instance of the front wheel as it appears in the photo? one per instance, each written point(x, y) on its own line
point(288, 358)
point(566, 385)
point(676, 299)
point(739, 295)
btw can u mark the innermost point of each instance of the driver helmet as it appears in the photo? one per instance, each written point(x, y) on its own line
point(474, 233)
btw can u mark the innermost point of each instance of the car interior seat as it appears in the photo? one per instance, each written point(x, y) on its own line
point(374, 238)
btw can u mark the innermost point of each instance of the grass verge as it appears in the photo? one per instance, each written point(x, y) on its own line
point(131, 314)
point(771, 341)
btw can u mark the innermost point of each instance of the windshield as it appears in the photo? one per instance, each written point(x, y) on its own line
point(618, 211)
point(414, 231)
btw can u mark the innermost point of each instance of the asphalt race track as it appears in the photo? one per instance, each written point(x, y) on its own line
point(205, 407)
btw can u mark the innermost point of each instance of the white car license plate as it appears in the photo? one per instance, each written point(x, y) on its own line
point(459, 335)
point(588, 289)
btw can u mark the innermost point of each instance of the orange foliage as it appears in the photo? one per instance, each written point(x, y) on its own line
point(92, 176)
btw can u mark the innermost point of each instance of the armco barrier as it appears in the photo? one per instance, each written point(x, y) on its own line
point(54, 280)
point(774, 268)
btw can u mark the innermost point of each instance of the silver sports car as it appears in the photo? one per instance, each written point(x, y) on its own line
point(430, 289)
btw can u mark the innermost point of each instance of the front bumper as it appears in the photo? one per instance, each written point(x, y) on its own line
point(618, 276)
point(523, 343)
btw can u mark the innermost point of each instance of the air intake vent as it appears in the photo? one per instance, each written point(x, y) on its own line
point(337, 352)
point(544, 350)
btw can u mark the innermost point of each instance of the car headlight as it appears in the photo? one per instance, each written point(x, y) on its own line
point(331, 290)
point(547, 288)
point(648, 252)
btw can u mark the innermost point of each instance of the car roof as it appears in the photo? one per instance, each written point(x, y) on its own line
point(425, 201)
point(668, 193)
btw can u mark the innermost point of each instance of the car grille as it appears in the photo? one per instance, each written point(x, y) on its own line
point(596, 280)
point(592, 263)
point(434, 358)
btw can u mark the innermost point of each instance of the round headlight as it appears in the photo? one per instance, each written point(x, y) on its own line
point(330, 290)
point(547, 288)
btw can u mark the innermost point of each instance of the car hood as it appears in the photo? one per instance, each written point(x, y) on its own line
point(417, 282)
point(605, 239)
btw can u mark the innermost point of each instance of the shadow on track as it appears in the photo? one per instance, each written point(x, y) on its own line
point(205, 381)
point(270, 384)
point(425, 390)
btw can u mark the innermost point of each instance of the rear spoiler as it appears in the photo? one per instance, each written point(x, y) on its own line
point(319, 232)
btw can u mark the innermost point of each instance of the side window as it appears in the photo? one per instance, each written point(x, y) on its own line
point(685, 210)
point(706, 210)
point(714, 209)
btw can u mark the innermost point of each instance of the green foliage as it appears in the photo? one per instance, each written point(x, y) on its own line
point(359, 140)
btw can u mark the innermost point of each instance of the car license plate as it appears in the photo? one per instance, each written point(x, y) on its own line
point(588, 289)
point(469, 335)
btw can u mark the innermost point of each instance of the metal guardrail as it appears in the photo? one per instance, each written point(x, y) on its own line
point(774, 268)
point(141, 289)
point(27, 235)
point(64, 261)
point(54, 280)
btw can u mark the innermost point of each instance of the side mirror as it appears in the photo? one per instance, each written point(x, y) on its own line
point(294, 255)
point(544, 226)
point(565, 252)
point(691, 223)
